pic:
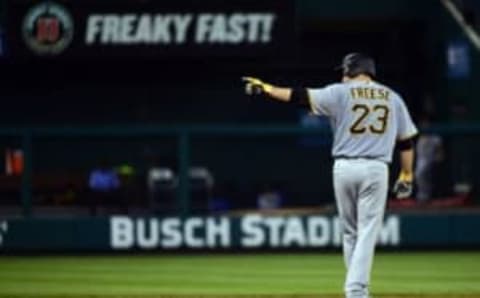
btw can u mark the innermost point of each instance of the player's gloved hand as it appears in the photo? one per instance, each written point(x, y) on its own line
point(256, 86)
point(404, 186)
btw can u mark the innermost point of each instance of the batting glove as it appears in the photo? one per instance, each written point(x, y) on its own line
point(403, 187)
point(256, 86)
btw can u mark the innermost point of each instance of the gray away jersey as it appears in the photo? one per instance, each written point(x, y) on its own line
point(367, 118)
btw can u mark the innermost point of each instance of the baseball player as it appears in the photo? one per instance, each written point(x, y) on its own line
point(368, 119)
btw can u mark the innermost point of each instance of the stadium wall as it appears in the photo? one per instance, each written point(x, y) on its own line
point(224, 233)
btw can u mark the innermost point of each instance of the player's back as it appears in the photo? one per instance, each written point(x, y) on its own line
point(366, 117)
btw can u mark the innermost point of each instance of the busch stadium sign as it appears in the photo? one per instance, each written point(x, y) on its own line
point(225, 233)
point(127, 28)
point(248, 232)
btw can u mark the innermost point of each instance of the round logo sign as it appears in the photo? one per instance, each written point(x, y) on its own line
point(48, 29)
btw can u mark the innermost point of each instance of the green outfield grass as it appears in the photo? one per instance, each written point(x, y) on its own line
point(279, 275)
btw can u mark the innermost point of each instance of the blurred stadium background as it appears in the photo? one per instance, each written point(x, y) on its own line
point(125, 129)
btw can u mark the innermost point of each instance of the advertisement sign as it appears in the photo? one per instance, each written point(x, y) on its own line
point(126, 28)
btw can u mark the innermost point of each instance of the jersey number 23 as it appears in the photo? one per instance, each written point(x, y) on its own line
point(378, 125)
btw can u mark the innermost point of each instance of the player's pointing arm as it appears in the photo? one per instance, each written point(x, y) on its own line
point(256, 86)
point(320, 101)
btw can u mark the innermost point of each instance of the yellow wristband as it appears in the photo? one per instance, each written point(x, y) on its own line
point(267, 87)
point(405, 176)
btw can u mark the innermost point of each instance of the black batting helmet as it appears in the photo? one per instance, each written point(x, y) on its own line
point(354, 64)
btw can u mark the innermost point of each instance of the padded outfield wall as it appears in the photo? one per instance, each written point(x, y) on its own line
point(226, 233)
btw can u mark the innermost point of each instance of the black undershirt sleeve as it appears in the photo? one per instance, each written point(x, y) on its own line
point(406, 144)
point(299, 97)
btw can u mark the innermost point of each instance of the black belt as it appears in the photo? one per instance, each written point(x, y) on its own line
point(355, 157)
point(358, 157)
